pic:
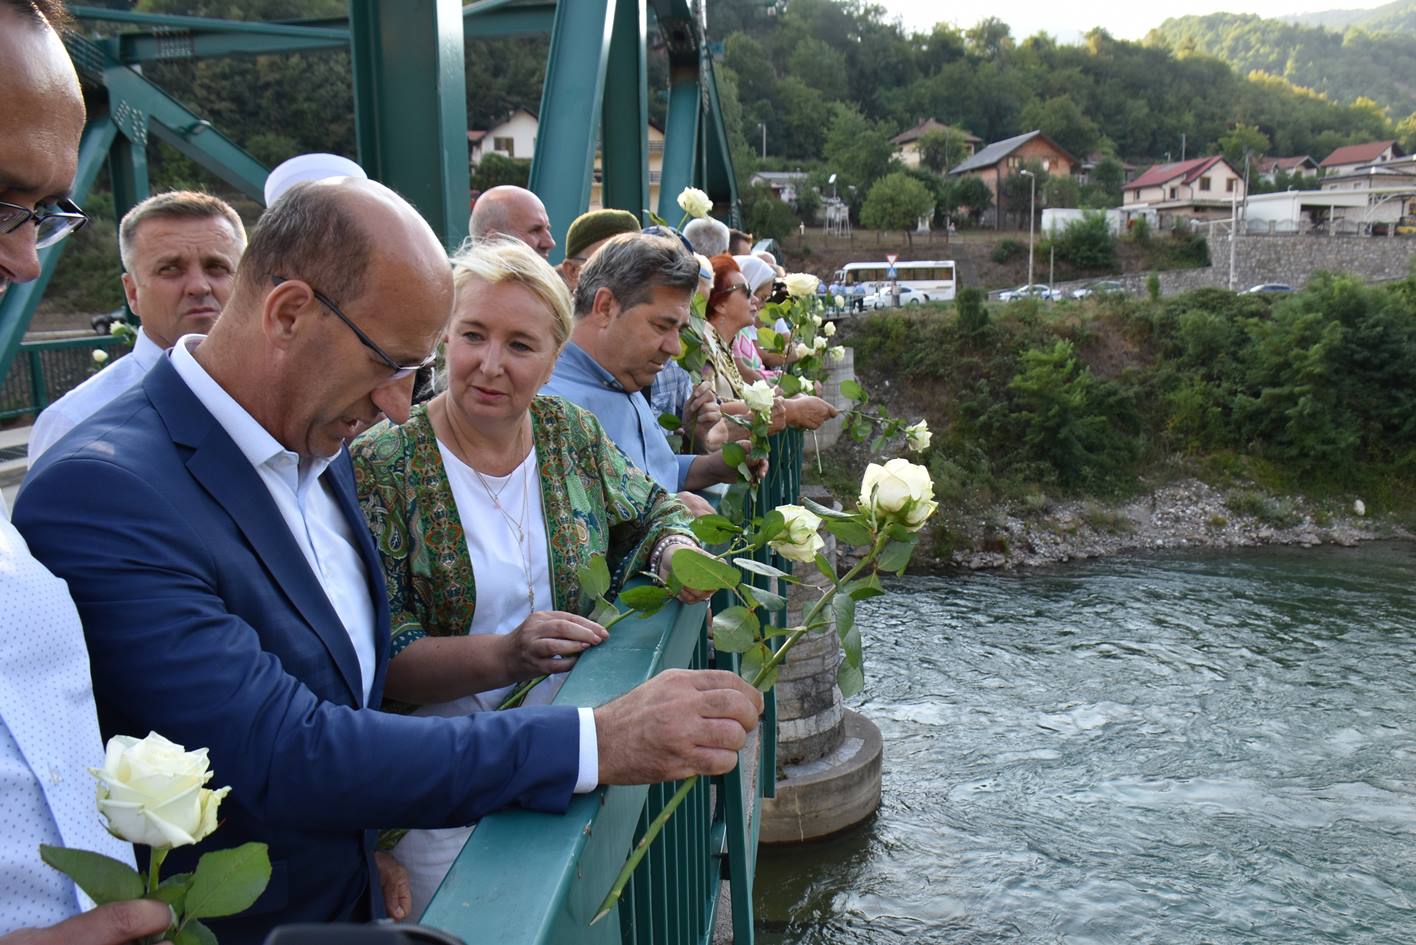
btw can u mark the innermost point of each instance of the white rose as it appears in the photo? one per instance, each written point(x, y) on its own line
point(918, 436)
point(100, 355)
point(800, 351)
point(151, 791)
point(829, 329)
point(818, 344)
point(694, 202)
point(759, 397)
point(899, 490)
point(115, 328)
point(840, 301)
point(801, 285)
point(799, 541)
point(836, 354)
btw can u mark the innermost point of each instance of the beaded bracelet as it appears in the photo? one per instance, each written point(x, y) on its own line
point(656, 557)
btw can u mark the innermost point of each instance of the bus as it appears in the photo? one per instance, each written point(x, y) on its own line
point(932, 280)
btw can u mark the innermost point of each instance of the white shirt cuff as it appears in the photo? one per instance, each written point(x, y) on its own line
point(589, 776)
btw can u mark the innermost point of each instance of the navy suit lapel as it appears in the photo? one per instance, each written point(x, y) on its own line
point(227, 476)
point(341, 477)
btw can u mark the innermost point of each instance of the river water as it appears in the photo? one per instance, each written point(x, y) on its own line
point(1208, 749)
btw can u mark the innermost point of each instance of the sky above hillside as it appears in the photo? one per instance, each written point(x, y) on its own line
point(1124, 19)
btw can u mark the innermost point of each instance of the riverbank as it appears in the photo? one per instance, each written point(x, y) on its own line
point(1185, 514)
point(1108, 425)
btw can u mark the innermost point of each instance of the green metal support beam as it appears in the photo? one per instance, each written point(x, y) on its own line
point(680, 141)
point(683, 43)
point(410, 105)
point(624, 113)
point(719, 178)
point(570, 103)
point(210, 24)
point(18, 303)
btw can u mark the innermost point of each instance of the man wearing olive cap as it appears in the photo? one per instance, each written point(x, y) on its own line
point(587, 233)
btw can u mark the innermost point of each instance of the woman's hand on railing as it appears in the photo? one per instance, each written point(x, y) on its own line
point(679, 724)
point(548, 641)
point(687, 595)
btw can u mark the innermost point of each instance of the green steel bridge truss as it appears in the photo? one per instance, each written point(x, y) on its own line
point(409, 107)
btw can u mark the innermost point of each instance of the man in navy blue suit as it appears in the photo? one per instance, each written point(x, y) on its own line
point(232, 598)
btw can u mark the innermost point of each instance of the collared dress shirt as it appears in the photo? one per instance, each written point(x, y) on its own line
point(48, 740)
point(306, 502)
point(98, 391)
point(625, 415)
point(320, 529)
point(670, 391)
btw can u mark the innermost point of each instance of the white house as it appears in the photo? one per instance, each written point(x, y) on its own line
point(514, 138)
point(1347, 159)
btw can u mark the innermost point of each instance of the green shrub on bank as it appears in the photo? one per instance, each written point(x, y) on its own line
point(1087, 243)
point(1317, 388)
point(1008, 250)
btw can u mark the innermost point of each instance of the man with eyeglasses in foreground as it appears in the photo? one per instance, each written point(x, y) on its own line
point(49, 733)
point(234, 598)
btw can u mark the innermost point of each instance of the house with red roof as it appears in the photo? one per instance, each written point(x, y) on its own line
point(1298, 166)
point(1351, 157)
point(1199, 189)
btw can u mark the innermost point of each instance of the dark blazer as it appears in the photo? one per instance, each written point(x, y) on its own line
point(205, 623)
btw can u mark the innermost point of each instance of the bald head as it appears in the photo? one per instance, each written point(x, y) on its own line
point(326, 232)
point(343, 290)
point(41, 123)
point(512, 211)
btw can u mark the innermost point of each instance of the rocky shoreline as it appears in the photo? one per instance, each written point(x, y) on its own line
point(1185, 514)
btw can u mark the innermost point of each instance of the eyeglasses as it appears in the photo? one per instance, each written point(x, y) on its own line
point(52, 222)
point(741, 285)
point(400, 371)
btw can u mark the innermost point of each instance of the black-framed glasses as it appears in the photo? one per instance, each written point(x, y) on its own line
point(399, 370)
point(52, 221)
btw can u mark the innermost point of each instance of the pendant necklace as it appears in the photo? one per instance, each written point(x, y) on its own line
point(517, 528)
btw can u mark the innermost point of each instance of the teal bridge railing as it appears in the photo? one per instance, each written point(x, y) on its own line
point(527, 878)
point(44, 371)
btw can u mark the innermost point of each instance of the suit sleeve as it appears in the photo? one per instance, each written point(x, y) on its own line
point(168, 655)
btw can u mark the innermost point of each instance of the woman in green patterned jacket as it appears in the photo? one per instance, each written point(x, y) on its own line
point(486, 503)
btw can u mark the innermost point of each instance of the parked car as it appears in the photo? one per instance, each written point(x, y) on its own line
point(1029, 292)
point(1268, 288)
point(881, 297)
point(1104, 287)
point(102, 323)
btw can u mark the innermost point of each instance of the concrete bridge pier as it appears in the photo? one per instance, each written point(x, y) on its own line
point(828, 757)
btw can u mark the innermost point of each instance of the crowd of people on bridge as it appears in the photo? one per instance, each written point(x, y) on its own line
point(331, 510)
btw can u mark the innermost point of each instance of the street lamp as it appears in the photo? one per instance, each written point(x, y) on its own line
point(763, 126)
point(1032, 210)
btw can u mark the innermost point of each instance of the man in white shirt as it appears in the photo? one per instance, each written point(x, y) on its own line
point(48, 730)
point(180, 251)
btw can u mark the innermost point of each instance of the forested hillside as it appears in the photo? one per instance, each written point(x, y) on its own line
point(1399, 16)
point(1346, 66)
point(828, 82)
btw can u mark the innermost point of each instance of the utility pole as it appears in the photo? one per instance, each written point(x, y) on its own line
point(1032, 211)
point(763, 126)
point(1182, 147)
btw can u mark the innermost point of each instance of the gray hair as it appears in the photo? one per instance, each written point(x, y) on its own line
point(175, 205)
point(632, 266)
point(308, 234)
point(708, 236)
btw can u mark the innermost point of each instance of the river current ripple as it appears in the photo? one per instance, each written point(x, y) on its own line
point(1182, 750)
